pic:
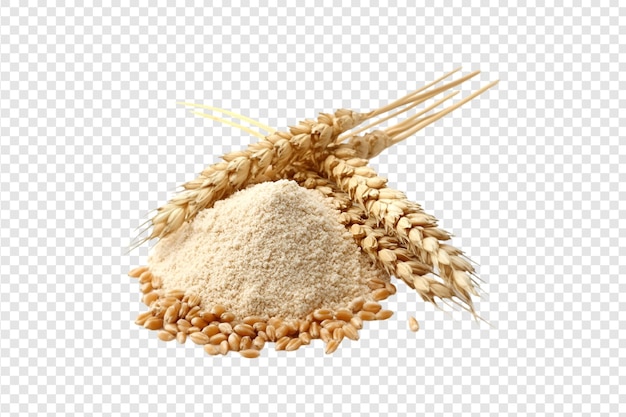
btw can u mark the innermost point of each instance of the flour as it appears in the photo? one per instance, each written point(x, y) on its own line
point(273, 250)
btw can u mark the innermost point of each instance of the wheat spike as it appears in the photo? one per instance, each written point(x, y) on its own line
point(391, 253)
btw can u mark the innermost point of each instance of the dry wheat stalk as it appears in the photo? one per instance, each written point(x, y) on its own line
point(416, 230)
point(387, 249)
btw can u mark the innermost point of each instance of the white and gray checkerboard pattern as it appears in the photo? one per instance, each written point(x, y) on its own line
point(529, 177)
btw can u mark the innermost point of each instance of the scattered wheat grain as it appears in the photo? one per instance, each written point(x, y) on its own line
point(331, 346)
point(250, 353)
point(384, 314)
point(293, 344)
point(245, 330)
point(165, 336)
point(199, 338)
point(153, 323)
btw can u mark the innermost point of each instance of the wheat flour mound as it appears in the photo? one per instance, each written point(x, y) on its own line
point(272, 250)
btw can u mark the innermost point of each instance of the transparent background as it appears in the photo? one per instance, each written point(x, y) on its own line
point(529, 177)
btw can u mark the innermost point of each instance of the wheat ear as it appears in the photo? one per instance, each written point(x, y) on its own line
point(387, 250)
point(261, 161)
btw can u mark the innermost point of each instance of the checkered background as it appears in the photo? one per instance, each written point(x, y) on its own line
point(529, 177)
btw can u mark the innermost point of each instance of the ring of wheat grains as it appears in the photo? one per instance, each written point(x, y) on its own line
point(329, 154)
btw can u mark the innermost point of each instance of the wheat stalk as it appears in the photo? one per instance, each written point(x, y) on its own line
point(403, 219)
point(390, 252)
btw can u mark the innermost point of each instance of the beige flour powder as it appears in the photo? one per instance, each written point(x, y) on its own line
point(273, 250)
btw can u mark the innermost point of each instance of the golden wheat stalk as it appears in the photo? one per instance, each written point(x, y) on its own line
point(392, 254)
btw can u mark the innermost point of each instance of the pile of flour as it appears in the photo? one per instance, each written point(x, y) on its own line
point(272, 250)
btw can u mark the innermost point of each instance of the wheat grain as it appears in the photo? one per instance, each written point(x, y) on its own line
point(177, 294)
point(156, 282)
point(357, 304)
point(413, 324)
point(212, 349)
point(372, 306)
point(170, 327)
point(245, 330)
point(357, 322)
point(165, 336)
point(251, 320)
point(367, 315)
point(250, 353)
point(193, 313)
point(225, 328)
point(275, 322)
point(271, 333)
point(150, 298)
point(181, 337)
point(293, 344)
point(343, 314)
point(211, 330)
point(136, 272)
point(167, 302)
point(380, 294)
point(216, 339)
point(322, 314)
point(199, 322)
point(224, 348)
point(153, 323)
point(193, 300)
point(260, 326)
point(338, 334)
point(331, 346)
point(331, 325)
point(314, 330)
point(171, 314)
point(183, 325)
point(146, 287)
point(208, 316)
point(282, 331)
point(281, 343)
point(145, 277)
point(233, 342)
point(350, 331)
point(304, 326)
point(246, 343)
point(217, 310)
point(305, 338)
point(199, 338)
point(183, 310)
point(384, 314)
point(258, 343)
point(325, 334)
point(374, 285)
point(227, 317)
